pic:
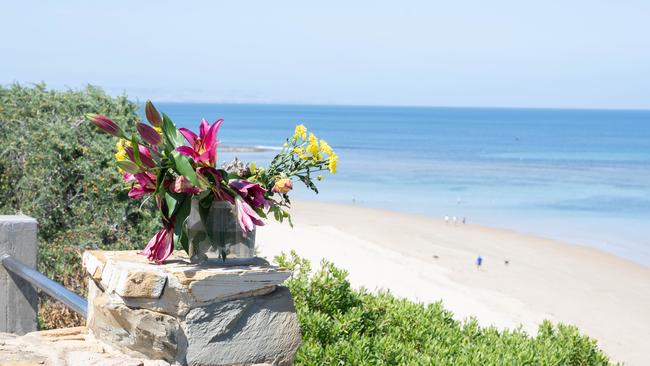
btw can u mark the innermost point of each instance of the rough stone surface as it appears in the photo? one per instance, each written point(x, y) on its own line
point(177, 286)
point(64, 347)
point(258, 330)
point(137, 332)
point(18, 299)
point(233, 313)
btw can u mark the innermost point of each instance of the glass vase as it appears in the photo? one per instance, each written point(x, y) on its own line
point(216, 233)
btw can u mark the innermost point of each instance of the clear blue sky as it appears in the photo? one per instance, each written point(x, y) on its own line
point(546, 53)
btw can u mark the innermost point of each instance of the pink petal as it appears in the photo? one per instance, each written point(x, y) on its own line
point(183, 185)
point(152, 243)
point(145, 157)
point(137, 192)
point(161, 246)
point(203, 129)
point(206, 158)
point(247, 217)
point(211, 134)
point(145, 180)
point(244, 221)
point(188, 151)
point(189, 135)
point(128, 177)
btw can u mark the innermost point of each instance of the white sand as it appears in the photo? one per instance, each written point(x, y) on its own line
point(608, 298)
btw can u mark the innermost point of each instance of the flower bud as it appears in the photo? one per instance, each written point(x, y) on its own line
point(149, 134)
point(152, 114)
point(105, 124)
point(145, 156)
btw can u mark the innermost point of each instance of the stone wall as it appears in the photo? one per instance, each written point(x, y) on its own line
point(233, 313)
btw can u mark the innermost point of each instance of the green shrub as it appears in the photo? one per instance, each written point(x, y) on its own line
point(56, 168)
point(343, 326)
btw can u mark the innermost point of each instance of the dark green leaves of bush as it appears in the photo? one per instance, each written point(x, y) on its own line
point(343, 326)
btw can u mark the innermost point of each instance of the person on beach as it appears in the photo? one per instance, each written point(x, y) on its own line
point(446, 219)
point(463, 220)
point(454, 220)
point(479, 261)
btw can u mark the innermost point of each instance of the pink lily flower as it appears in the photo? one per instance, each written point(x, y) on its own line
point(105, 124)
point(246, 216)
point(146, 184)
point(149, 134)
point(183, 185)
point(252, 193)
point(203, 148)
point(219, 193)
point(145, 156)
point(161, 246)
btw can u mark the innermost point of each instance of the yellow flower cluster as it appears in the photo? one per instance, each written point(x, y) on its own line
point(301, 153)
point(300, 132)
point(121, 152)
point(315, 148)
point(333, 161)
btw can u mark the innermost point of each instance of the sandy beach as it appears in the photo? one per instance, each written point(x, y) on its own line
point(607, 297)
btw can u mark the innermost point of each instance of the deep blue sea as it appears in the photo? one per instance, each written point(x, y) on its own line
point(581, 176)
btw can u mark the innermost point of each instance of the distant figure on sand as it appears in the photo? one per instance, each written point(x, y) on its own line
point(455, 220)
point(479, 261)
point(463, 220)
point(446, 219)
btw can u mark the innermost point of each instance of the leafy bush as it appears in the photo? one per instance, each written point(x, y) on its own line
point(56, 168)
point(342, 326)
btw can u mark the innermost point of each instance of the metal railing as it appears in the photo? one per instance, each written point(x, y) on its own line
point(54, 289)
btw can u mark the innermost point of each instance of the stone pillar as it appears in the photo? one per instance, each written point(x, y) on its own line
point(18, 299)
point(213, 314)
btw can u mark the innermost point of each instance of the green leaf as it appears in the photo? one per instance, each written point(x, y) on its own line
point(173, 137)
point(160, 179)
point(136, 149)
point(128, 166)
point(184, 167)
point(171, 201)
point(182, 213)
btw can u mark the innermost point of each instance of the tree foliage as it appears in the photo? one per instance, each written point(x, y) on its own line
point(57, 169)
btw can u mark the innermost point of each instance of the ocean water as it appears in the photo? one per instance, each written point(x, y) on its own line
point(581, 176)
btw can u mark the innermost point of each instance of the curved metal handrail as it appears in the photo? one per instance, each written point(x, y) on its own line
point(52, 288)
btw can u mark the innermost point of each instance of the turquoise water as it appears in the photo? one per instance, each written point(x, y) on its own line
point(580, 176)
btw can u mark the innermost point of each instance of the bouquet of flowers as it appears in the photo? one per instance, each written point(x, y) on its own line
point(175, 166)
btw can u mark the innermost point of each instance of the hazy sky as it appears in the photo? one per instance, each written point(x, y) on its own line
point(547, 53)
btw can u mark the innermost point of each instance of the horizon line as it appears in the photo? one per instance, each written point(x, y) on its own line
point(352, 105)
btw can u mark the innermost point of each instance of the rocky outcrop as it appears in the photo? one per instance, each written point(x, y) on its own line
point(232, 313)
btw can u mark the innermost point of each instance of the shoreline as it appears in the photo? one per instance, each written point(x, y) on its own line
point(606, 296)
